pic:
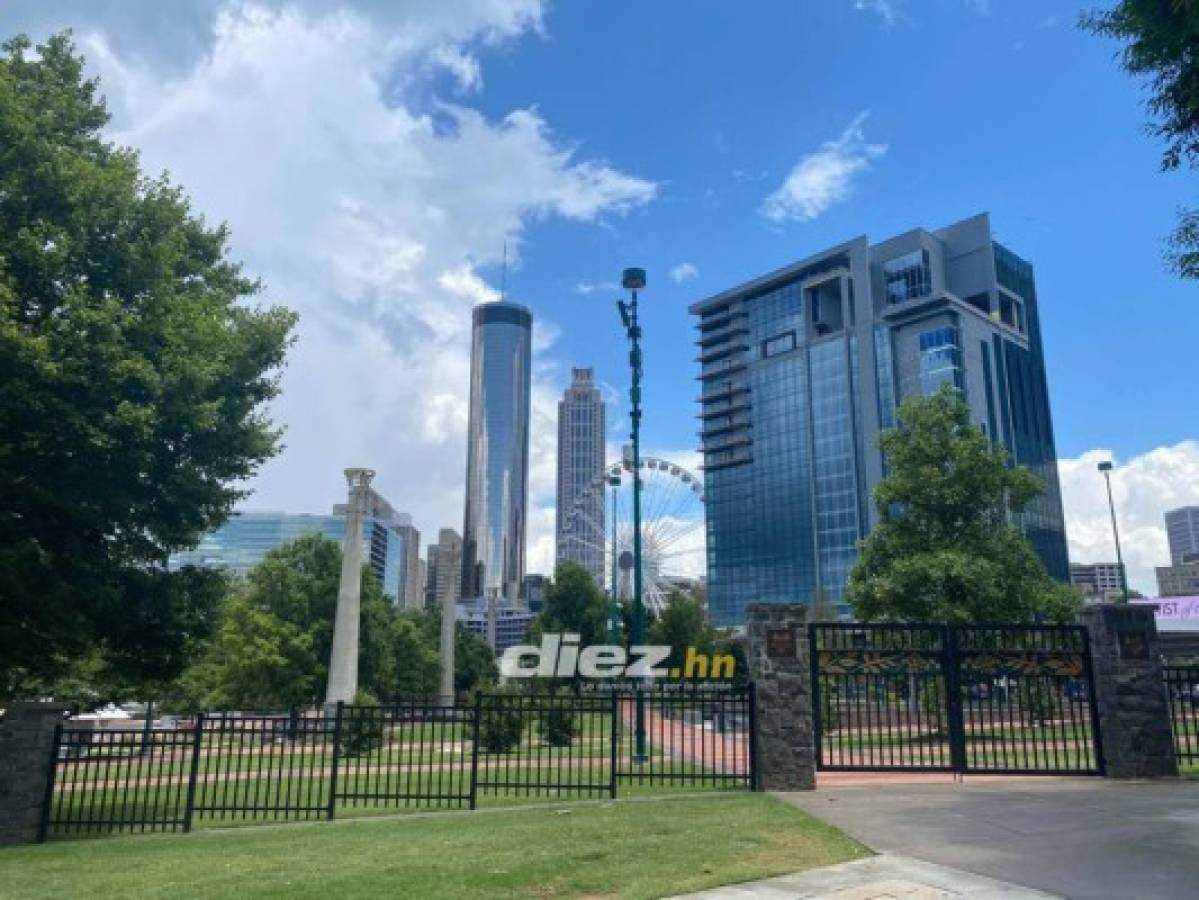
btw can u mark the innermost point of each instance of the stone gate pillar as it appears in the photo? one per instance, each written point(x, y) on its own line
point(777, 651)
point(26, 742)
point(1130, 691)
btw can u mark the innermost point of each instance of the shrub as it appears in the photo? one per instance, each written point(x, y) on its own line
point(501, 723)
point(361, 726)
point(558, 726)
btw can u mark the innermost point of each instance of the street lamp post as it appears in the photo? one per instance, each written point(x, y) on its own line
point(614, 608)
point(1106, 468)
point(633, 280)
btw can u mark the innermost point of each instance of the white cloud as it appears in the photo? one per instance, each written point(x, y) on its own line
point(890, 11)
point(590, 287)
point(1143, 488)
point(824, 177)
point(684, 271)
point(372, 207)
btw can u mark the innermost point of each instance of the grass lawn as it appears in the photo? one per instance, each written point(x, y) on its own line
point(624, 849)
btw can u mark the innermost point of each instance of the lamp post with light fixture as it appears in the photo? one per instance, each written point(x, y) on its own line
point(1106, 468)
point(633, 280)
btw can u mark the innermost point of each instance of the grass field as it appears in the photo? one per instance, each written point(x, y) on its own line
point(603, 849)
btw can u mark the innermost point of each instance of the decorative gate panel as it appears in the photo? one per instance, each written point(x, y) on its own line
point(1000, 699)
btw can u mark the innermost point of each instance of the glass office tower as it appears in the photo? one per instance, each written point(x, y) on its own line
point(800, 371)
point(579, 525)
point(497, 452)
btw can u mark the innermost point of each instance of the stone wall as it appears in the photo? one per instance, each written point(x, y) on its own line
point(777, 651)
point(26, 742)
point(1130, 691)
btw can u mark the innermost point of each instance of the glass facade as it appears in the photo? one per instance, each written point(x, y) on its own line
point(907, 277)
point(241, 543)
point(940, 359)
point(787, 508)
point(497, 453)
point(834, 469)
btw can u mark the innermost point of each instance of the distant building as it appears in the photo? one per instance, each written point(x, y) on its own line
point(1182, 532)
point(246, 537)
point(497, 452)
point(532, 592)
point(1097, 580)
point(1179, 580)
point(412, 572)
point(580, 506)
point(444, 579)
point(802, 368)
point(511, 625)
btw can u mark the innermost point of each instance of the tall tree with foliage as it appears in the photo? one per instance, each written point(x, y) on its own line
point(275, 633)
point(133, 384)
point(682, 624)
point(944, 550)
point(573, 603)
point(1162, 45)
point(474, 662)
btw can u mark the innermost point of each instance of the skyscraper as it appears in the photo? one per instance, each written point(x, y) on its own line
point(497, 452)
point(801, 369)
point(1182, 531)
point(445, 568)
point(580, 520)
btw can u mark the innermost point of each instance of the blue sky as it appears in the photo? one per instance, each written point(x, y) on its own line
point(372, 157)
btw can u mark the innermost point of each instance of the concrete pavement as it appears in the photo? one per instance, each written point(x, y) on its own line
point(883, 877)
point(1080, 838)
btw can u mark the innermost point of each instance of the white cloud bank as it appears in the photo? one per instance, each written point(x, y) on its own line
point(1143, 488)
point(825, 177)
point(368, 204)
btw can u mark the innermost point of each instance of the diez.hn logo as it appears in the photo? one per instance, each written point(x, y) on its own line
point(560, 656)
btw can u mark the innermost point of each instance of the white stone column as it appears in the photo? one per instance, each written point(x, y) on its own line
point(343, 661)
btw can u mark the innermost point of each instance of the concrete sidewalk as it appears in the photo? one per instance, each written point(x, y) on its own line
point(884, 877)
point(1080, 838)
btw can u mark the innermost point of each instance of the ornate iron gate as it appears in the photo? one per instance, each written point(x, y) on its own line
point(1000, 699)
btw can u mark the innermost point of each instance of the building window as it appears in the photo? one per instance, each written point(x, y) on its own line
point(908, 277)
point(782, 343)
point(940, 359)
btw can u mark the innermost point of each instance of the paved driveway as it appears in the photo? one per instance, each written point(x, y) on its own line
point(1076, 837)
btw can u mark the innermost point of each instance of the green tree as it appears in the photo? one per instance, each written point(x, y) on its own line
point(1161, 39)
point(133, 385)
point(944, 550)
point(275, 634)
point(474, 663)
point(573, 603)
point(682, 624)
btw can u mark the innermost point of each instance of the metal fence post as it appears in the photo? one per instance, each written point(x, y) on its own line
point(951, 661)
point(474, 752)
point(332, 811)
point(190, 809)
point(613, 740)
point(753, 735)
point(44, 829)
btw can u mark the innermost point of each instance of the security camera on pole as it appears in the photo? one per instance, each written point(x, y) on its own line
point(633, 280)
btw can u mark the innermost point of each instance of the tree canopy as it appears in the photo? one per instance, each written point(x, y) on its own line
point(574, 603)
point(1162, 45)
point(133, 384)
point(944, 549)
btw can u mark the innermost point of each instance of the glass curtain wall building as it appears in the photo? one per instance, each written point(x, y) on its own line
point(497, 452)
point(579, 526)
point(246, 537)
point(801, 369)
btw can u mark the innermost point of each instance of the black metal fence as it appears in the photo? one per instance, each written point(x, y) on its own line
point(1182, 690)
point(1002, 699)
point(230, 767)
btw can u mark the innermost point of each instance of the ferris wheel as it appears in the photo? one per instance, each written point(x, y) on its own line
point(673, 539)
